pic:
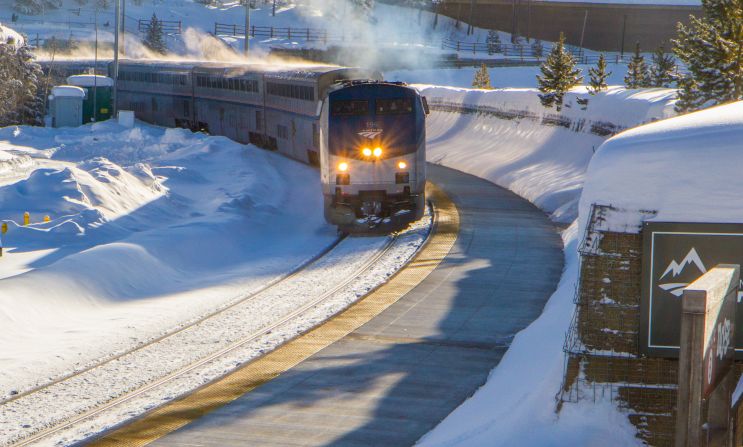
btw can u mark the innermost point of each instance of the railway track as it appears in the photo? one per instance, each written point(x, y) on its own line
point(63, 421)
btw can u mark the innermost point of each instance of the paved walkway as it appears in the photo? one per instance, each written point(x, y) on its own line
point(393, 379)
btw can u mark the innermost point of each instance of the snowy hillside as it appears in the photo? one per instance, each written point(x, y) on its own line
point(391, 26)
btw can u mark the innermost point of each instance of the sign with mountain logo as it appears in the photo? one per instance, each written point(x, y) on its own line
point(675, 255)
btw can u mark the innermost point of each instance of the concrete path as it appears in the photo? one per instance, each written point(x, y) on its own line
point(392, 380)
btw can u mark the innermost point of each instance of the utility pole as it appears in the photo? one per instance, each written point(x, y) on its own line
point(583, 31)
point(95, 70)
point(624, 31)
point(123, 28)
point(117, 25)
point(471, 27)
point(247, 27)
point(514, 30)
point(273, 12)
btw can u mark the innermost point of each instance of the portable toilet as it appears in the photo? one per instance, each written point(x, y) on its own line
point(99, 90)
point(66, 105)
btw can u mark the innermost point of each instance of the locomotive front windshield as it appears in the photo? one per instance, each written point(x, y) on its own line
point(349, 108)
point(379, 116)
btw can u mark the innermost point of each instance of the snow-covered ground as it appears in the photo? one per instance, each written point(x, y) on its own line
point(546, 164)
point(149, 228)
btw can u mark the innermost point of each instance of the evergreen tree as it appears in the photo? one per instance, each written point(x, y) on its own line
point(494, 43)
point(598, 76)
point(35, 7)
point(711, 47)
point(663, 71)
point(559, 75)
point(154, 37)
point(537, 49)
point(689, 95)
point(482, 78)
point(638, 74)
point(21, 99)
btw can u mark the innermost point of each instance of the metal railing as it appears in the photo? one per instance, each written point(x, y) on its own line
point(168, 26)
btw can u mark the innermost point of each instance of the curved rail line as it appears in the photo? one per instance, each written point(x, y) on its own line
point(44, 433)
point(296, 271)
point(167, 418)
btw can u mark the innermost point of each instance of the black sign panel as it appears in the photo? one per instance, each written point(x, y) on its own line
point(675, 255)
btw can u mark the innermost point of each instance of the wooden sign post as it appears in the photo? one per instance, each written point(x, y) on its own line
point(706, 358)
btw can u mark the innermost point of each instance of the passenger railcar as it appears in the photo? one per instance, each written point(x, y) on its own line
point(277, 109)
point(373, 155)
point(310, 114)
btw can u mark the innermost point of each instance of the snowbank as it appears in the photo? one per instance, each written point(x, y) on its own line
point(686, 168)
point(508, 137)
point(149, 228)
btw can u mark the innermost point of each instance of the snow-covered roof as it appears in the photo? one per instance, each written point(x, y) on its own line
point(89, 80)
point(68, 91)
point(686, 168)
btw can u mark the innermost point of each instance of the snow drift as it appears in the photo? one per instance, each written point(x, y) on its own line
point(149, 228)
point(685, 168)
point(508, 137)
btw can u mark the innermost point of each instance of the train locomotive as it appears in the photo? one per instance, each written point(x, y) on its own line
point(368, 137)
point(373, 155)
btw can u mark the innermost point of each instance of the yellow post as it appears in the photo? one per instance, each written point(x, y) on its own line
point(5, 227)
point(26, 218)
point(47, 218)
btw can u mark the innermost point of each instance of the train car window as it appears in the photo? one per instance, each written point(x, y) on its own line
point(394, 106)
point(349, 108)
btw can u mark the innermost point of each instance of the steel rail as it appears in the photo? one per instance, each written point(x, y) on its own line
point(45, 433)
point(294, 272)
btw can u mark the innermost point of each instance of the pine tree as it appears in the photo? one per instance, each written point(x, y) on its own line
point(663, 71)
point(711, 47)
point(493, 42)
point(482, 78)
point(537, 49)
point(689, 95)
point(638, 75)
point(559, 75)
point(154, 37)
point(35, 7)
point(598, 76)
point(21, 100)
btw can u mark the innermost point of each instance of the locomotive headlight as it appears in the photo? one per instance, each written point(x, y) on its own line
point(343, 166)
point(377, 151)
point(402, 165)
point(367, 152)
